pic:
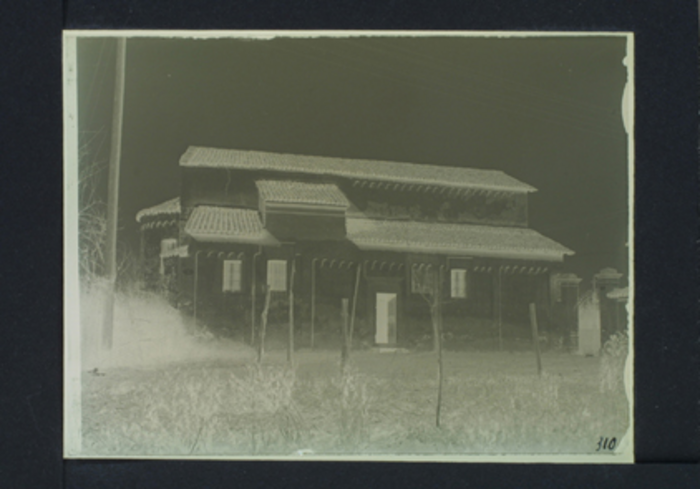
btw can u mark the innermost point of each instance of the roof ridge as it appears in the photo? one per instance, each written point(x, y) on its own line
point(185, 158)
point(423, 173)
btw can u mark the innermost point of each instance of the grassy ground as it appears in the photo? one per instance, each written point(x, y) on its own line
point(493, 403)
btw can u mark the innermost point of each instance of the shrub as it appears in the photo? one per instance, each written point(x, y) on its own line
point(612, 362)
point(263, 398)
point(352, 405)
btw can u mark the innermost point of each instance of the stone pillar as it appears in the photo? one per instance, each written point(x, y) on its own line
point(604, 282)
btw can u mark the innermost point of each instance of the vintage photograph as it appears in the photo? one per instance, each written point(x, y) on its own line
point(349, 245)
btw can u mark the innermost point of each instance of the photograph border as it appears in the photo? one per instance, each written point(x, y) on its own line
point(72, 405)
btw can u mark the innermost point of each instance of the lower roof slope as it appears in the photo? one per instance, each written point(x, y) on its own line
point(229, 225)
point(167, 208)
point(226, 225)
point(454, 239)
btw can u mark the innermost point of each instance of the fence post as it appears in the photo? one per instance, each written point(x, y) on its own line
point(313, 302)
point(344, 347)
point(263, 324)
point(354, 301)
point(535, 336)
point(290, 339)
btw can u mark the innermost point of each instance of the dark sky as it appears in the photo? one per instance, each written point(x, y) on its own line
point(544, 110)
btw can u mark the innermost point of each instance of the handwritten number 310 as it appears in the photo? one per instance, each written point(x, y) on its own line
point(605, 443)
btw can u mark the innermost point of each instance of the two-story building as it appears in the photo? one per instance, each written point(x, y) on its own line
point(376, 233)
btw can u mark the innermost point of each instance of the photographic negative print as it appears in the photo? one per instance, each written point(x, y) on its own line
point(349, 245)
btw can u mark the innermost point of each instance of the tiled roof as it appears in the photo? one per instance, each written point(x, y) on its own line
point(454, 239)
point(301, 193)
point(409, 173)
point(169, 207)
point(227, 225)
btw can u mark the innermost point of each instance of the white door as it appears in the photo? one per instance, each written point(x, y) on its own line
point(386, 318)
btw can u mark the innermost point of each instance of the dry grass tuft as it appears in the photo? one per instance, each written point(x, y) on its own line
point(384, 403)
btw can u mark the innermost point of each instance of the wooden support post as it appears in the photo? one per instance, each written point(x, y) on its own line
point(354, 300)
point(290, 337)
point(263, 324)
point(113, 196)
point(142, 256)
point(195, 292)
point(313, 301)
point(499, 306)
point(344, 350)
point(253, 295)
point(535, 336)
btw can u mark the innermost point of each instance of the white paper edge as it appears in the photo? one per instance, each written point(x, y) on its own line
point(72, 409)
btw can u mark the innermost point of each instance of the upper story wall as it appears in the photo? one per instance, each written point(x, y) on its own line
point(501, 209)
point(205, 186)
point(236, 188)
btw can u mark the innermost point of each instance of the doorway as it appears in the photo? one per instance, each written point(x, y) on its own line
point(386, 318)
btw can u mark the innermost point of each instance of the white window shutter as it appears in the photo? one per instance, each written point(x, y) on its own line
point(167, 245)
point(458, 283)
point(226, 279)
point(236, 276)
point(232, 276)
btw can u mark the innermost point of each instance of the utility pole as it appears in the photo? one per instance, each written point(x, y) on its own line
point(113, 195)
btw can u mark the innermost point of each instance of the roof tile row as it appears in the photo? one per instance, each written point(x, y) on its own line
point(285, 191)
point(454, 239)
point(223, 224)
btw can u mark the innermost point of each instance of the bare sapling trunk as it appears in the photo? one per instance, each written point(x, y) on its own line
point(437, 323)
point(436, 330)
point(535, 337)
point(438, 406)
point(432, 286)
point(290, 333)
point(263, 324)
